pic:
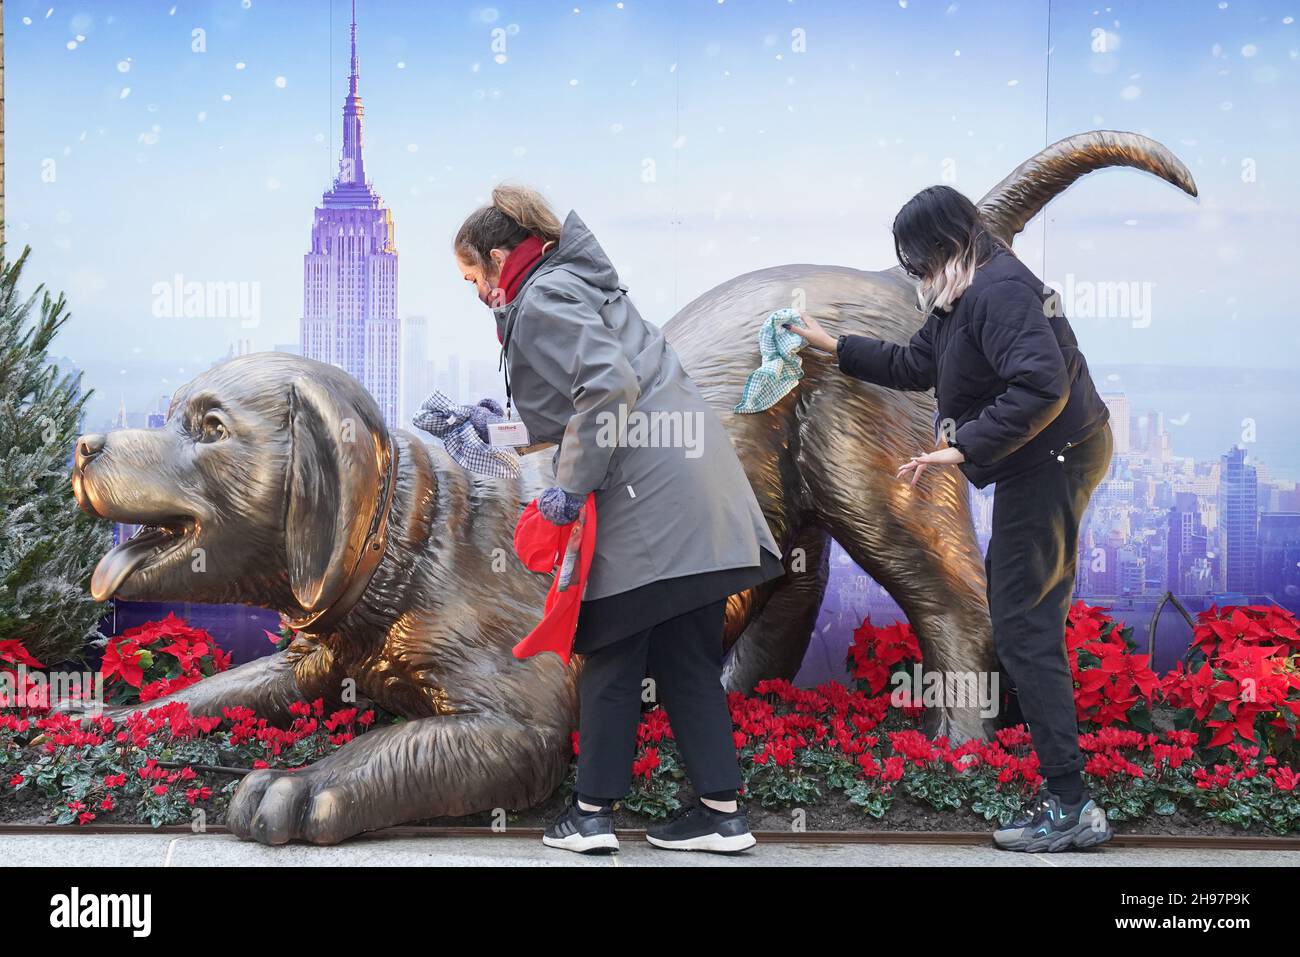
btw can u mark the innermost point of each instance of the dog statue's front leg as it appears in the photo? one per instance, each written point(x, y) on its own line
point(431, 767)
point(267, 685)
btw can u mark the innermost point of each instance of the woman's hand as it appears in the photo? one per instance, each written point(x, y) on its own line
point(814, 334)
point(917, 465)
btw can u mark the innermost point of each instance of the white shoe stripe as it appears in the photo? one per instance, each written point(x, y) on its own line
point(707, 842)
point(578, 842)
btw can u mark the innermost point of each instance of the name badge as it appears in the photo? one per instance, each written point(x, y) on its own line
point(509, 433)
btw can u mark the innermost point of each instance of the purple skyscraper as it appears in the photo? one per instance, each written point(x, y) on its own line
point(349, 314)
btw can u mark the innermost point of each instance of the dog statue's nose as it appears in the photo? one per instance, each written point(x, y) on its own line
point(88, 446)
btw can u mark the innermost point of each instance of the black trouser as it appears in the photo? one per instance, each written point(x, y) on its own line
point(1031, 562)
point(684, 657)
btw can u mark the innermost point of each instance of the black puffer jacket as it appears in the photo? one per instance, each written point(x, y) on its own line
point(1006, 369)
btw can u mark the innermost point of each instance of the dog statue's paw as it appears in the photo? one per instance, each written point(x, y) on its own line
point(275, 807)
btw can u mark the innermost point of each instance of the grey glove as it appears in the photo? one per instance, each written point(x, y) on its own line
point(558, 506)
point(480, 415)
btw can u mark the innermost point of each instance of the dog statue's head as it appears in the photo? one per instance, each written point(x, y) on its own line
point(260, 488)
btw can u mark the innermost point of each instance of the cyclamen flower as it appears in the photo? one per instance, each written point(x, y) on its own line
point(642, 766)
point(1284, 778)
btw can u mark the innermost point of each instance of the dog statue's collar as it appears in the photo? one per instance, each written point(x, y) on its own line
point(372, 553)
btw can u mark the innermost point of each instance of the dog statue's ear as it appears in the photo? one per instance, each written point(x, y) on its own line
point(334, 480)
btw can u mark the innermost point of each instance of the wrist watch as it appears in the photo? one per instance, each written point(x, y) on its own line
point(839, 343)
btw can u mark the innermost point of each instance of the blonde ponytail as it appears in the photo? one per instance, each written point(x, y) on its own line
point(529, 209)
point(516, 213)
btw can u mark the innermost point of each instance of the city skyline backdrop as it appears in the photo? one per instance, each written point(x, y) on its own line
point(155, 149)
point(700, 140)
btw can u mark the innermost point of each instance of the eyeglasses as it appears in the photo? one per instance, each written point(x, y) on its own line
point(908, 267)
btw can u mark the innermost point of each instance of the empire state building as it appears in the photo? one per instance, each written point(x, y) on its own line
point(350, 275)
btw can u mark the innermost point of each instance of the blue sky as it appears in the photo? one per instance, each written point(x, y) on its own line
point(131, 158)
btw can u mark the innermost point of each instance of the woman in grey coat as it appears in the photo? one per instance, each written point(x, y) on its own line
point(678, 527)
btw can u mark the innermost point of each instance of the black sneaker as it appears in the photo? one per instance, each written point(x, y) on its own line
point(701, 828)
point(1052, 826)
point(586, 833)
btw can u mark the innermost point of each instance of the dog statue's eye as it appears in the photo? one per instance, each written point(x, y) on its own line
point(213, 428)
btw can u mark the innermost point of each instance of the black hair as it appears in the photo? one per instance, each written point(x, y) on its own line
point(938, 236)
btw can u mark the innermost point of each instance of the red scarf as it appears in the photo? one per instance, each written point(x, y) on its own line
point(516, 268)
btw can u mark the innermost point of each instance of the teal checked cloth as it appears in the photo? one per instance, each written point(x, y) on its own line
point(781, 367)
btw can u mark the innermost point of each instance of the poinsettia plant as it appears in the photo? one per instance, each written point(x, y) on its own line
point(882, 658)
point(1113, 683)
point(158, 658)
point(15, 663)
point(1240, 683)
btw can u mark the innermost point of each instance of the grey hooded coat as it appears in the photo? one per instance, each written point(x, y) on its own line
point(586, 371)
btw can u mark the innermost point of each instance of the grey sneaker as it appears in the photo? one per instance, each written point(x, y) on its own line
point(1051, 826)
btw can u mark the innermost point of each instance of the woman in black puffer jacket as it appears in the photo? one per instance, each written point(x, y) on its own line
point(1016, 407)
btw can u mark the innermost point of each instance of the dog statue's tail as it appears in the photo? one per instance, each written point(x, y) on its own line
point(1018, 198)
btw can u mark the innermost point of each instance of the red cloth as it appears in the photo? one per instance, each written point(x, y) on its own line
point(541, 545)
point(514, 270)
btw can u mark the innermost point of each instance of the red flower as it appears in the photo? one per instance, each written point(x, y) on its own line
point(121, 660)
point(875, 652)
point(12, 651)
point(642, 766)
point(1284, 778)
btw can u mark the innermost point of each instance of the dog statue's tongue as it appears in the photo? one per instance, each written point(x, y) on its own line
point(115, 567)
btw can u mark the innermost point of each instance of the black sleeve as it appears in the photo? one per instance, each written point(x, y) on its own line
point(909, 367)
point(1016, 338)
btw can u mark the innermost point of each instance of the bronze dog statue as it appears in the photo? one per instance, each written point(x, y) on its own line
point(275, 483)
